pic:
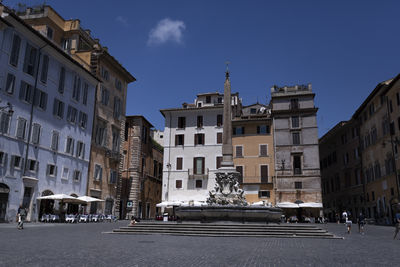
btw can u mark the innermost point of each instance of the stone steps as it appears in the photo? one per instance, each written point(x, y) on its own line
point(226, 230)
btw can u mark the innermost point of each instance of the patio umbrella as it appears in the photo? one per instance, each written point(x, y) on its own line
point(88, 199)
point(64, 198)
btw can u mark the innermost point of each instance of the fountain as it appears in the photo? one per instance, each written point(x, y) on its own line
point(226, 202)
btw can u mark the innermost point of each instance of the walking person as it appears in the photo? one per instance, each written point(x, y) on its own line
point(397, 226)
point(348, 225)
point(361, 223)
point(344, 216)
point(21, 217)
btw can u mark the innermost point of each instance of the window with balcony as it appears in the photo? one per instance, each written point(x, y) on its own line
point(199, 165)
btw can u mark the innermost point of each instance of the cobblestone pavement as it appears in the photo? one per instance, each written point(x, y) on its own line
point(87, 245)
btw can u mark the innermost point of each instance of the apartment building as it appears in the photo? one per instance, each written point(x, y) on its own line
point(295, 129)
point(253, 147)
point(341, 170)
point(46, 130)
point(140, 189)
point(193, 147)
point(110, 101)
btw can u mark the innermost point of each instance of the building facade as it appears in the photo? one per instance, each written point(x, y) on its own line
point(341, 170)
point(45, 142)
point(140, 187)
point(253, 147)
point(193, 147)
point(295, 129)
point(110, 101)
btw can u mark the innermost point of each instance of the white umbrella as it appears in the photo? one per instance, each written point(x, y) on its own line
point(289, 205)
point(88, 199)
point(310, 205)
point(58, 197)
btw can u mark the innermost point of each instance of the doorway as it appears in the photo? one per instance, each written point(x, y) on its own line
point(4, 191)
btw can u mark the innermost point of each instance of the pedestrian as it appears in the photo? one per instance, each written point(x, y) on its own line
point(397, 226)
point(348, 225)
point(361, 223)
point(344, 216)
point(21, 217)
point(337, 217)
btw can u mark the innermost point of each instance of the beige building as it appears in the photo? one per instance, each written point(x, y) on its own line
point(253, 145)
point(110, 104)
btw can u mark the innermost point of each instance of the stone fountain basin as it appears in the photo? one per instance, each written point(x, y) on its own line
point(228, 213)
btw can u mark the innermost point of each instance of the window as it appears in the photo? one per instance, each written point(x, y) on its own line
point(72, 114)
point(51, 170)
point(296, 138)
point(21, 126)
point(69, 147)
point(346, 158)
point(253, 111)
point(178, 184)
point(41, 99)
point(16, 162)
point(294, 103)
point(373, 195)
point(117, 107)
point(115, 139)
point(390, 106)
point(239, 169)
point(77, 88)
point(219, 161)
point(263, 129)
point(144, 134)
point(36, 133)
point(54, 140)
point(66, 44)
point(264, 174)
point(179, 140)
point(61, 82)
point(199, 121)
point(295, 122)
point(179, 163)
point(181, 122)
point(33, 165)
point(208, 99)
point(30, 59)
point(238, 130)
point(14, 55)
point(239, 151)
point(105, 96)
point(26, 92)
point(10, 83)
point(219, 120)
point(113, 177)
point(199, 139)
point(263, 150)
point(58, 108)
point(374, 136)
point(101, 133)
point(264, 194)
point(385, 125)
point(4, 122)
point(118, 84)
point(377, 170)
point(83, 119)
point(219, 100)
point(198, 165)
point(49, 33)
point(297, 164)
point(80, 149)
point(77, 175)
point(104, 73)
point(298, 185)
point(45, 69)
point(85, 93)
point(98, 172)
point(199, 183)
point(219, 138)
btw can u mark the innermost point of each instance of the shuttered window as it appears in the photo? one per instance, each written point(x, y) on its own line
point(178, 184)
point(219, 138)
point(21, 125)
point(179, 140)
point(36, 133)
point(263, 150)
point(198, 165)
point(199, 139)
point(239, 151)
point(4, 122)
point(15, 50)
point(179, 163)
point(54, 140)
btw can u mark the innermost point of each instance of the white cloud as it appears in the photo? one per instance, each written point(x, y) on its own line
point(167, 30)
point(122, 20)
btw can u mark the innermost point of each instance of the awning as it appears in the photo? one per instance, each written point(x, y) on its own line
point(88, 199)
point(310, 205)
point(169, 204)
point(288, 205)
point(63, 197)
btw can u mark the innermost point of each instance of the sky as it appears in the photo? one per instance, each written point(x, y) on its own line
point(177, 49)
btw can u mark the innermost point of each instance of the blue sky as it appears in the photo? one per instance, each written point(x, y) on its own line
point(177, 49)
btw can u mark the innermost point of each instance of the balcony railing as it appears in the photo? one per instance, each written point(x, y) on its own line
point(193, 175)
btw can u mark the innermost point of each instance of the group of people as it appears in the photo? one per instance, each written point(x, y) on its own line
point(348, 222)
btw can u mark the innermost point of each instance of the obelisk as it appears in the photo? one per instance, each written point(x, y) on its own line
point(227, 150)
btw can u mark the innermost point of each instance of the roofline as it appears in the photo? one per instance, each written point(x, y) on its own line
point(43, 38)
point(139, 116)
point(332, 130)
point(191, 109)
point(254, 105)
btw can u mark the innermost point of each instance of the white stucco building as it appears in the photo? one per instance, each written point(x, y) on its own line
point(193, 147)
point(45, 142)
